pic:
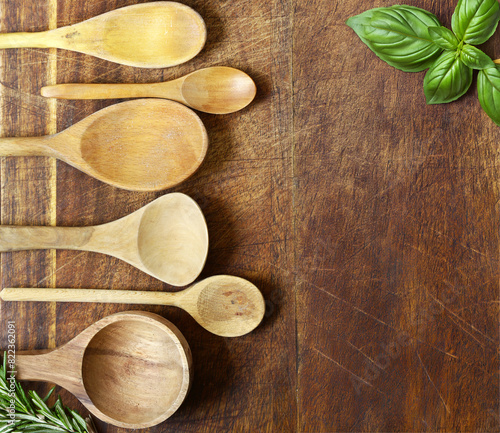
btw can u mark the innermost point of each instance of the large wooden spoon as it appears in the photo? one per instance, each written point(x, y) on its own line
point(215, 90)
point(224, 305)
point(141, 145)
point(150, 35)
point(131, 369)
point(167, 239)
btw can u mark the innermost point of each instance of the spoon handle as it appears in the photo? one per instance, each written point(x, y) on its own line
point(25, 40)
point(56, 366)
point(89, 295)
point(25, 146)
point(169, 90)
point(17, 238)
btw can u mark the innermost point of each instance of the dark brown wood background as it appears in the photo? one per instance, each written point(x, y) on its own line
point(368, 219)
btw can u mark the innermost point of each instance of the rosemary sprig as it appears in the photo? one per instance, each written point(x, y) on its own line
point(21, 412)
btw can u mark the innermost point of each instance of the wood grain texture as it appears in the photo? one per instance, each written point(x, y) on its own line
point(26, 186)
point(396, 239)
point(244, 189)
point(368, 219)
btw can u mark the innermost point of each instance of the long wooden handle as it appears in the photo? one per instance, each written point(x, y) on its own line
point(89, 295)
point(25, 40)
point(16, 238)
point(25, 146)
point(111, 91)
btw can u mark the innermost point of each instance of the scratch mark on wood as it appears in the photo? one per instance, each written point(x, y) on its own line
point(463, 321)
point(52, 275)
point(366, 356)
point(345, 369)
point(435, 387)
point(359, 310)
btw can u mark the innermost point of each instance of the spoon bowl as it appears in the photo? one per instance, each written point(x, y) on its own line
point(140, 145)
point(172, 239)
point(218, 90)
point(150, 35)
point(167, 239)
point(224, 305)
point(215, 90)
point(131, 369)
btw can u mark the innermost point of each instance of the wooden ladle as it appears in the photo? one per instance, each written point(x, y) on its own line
point(150, 35)
point(167, 239)
point(215, 90)
point(131, 369)
point(224, 305)
point(140, 145)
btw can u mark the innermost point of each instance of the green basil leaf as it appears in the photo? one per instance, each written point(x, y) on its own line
point(443, 38)
point(447, 79)
point(474, 58)
point(488, 92)
point(398, 35)
point(475, 21)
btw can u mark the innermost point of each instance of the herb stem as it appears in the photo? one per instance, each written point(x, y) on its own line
point(21, 411)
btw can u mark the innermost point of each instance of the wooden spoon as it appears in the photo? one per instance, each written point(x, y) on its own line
point(215, 90)
point(224, 305)
point(131, 369)
point(141, 145)
point(150, 35)
point(167, 239)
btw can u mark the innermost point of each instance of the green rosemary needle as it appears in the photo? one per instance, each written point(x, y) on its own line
point(21, 412)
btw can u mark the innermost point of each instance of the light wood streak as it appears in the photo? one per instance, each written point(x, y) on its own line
point(52, 129)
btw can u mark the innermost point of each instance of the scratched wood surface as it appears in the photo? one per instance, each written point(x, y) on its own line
point(369, 221)
point(396, 239)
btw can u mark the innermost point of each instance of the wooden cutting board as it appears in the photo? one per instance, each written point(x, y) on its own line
point(368, 219)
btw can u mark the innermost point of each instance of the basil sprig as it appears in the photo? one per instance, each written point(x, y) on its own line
point(412, 39)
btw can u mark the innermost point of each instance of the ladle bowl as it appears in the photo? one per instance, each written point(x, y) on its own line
point(130, 369)
point(167, 239)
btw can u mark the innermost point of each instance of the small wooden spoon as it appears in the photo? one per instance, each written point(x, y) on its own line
point(215, 90)
point(150, 35)
point(167, 239)
point(131, 369)
point(224, 305)
point(141, 145)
